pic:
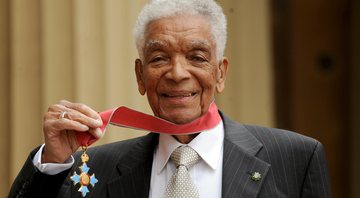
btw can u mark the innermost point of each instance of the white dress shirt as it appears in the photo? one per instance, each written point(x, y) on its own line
point(51, 168)
point(206, 174)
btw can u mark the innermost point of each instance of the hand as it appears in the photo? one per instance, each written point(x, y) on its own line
point(60, 133)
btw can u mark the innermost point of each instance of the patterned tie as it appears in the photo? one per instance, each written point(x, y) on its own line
point(180, 184)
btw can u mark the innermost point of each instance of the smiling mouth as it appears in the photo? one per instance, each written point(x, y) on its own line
point(179, 95)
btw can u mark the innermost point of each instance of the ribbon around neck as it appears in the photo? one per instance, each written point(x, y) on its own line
point(129, 118)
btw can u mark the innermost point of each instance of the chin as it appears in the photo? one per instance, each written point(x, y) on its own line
point(181, 118)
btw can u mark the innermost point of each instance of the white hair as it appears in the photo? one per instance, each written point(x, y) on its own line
point(157, 9)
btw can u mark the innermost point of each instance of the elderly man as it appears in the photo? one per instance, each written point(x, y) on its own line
point(180, 68)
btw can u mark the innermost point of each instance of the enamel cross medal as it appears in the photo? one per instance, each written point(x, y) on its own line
point(125, 117)
point(84, 178)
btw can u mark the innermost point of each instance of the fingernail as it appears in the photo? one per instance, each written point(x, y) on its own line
point(98, 133)
point(100, 122)
point(97, 122)
point(84, 127)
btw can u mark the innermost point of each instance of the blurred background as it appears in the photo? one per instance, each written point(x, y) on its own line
point(293, 64)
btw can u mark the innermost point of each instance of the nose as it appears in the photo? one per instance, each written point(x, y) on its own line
point(178, 70)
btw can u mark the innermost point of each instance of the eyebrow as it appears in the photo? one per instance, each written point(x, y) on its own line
point(152, 45)
point(199, 45)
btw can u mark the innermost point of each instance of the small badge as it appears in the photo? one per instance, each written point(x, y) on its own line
point(256, 176)
point(84, 178)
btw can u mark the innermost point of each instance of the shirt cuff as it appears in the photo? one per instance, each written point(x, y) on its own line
point(51, 168)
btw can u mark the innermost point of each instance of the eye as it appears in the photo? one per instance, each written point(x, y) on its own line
point(197, 58)
point(157, 59)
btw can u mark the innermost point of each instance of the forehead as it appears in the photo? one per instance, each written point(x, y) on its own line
point(192, 30)
point(153, 44)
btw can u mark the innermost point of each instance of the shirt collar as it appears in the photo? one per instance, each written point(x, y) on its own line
point(208, 144)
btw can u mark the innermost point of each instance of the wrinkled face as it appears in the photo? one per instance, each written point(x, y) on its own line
point(179, 70)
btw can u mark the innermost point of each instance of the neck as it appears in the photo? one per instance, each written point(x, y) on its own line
point(185, 139)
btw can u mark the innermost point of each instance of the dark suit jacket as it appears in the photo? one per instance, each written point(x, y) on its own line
point(291, 165)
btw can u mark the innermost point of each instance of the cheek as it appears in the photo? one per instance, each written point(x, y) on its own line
point(151, 79)
point(208, 80)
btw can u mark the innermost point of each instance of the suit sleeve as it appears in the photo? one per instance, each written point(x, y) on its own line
point(317, 181)
point(30, 182)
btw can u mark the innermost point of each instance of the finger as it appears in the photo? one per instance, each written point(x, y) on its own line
point(73, 115)
point(77, 116)
point(82, 108)
point(97, 133)
point(56, 108)
point(66, 124)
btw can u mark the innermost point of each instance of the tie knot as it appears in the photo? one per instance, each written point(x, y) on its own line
point(185, 155)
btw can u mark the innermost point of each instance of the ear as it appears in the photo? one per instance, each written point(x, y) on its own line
point(139, 76)
point(221, 75)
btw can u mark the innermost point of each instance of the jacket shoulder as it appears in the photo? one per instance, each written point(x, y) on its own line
point(282, 138)
point(270, 138)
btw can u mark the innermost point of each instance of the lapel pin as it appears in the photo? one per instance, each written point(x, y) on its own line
point(256, 176)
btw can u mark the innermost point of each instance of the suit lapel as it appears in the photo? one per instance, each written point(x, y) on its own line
point(240, 162)
point(135, 170)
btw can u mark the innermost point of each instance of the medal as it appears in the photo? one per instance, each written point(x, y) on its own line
point(84, 178)
point(125, 117)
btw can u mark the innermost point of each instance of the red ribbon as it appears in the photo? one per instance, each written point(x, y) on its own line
point(125, 117)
